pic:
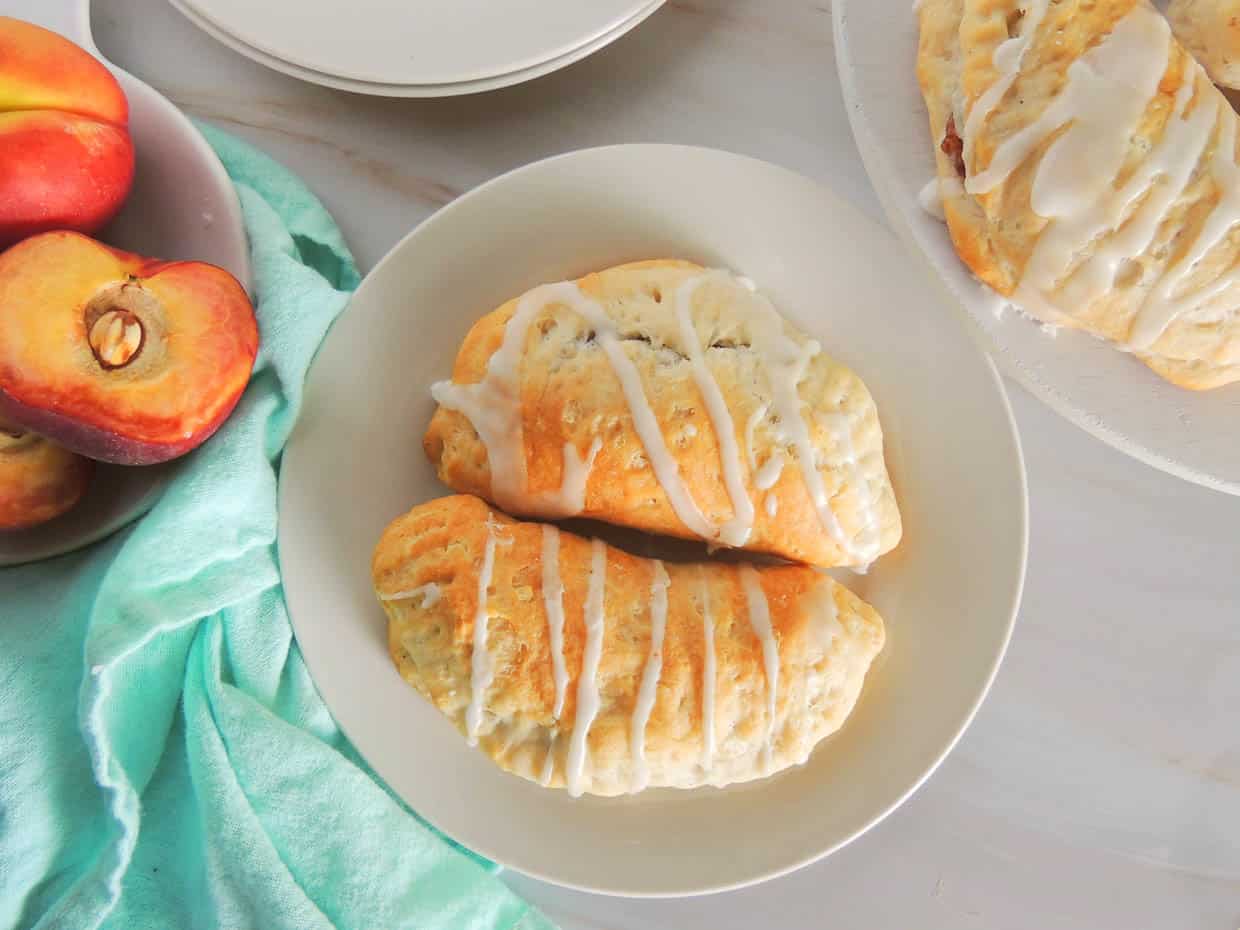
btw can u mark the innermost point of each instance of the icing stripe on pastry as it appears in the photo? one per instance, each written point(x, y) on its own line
point(570, 499)
point(734, 532)
point(429, 593)
point(785, 364)
point(760, 620)
point(666, 468)
point(649, 688)
point(549, 762)
point(482, 668)
point(708, 677)
point(1161, 309)
point(1170, 164)
point(553, 601)
point(587, 684)
point(493, 406)
point(1007, 60)
point(1095, 115)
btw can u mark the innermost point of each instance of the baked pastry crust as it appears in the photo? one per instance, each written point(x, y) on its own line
point(446, 564)
point(674, 400)
point(1210, 30)
point(1088, 169)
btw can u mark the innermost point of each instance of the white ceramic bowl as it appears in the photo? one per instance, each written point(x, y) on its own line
point(949, 593)
point(1111, 395)
point(182, 206)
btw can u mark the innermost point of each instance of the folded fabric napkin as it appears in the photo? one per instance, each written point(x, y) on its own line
point(165, 760)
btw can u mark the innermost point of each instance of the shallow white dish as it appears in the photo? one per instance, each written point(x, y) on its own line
point(183, 206)
point(1107, 393)
point(949, 593)
point(380, 89)
point(432, 43)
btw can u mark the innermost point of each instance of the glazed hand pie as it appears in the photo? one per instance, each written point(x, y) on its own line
point(1088, 170)
point(576, 665)
point(674, 400)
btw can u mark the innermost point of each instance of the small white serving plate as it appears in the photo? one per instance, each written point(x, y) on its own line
point(1111, 395)
point(383, 89)
point(183, 206)
point(949, 593)
point(427, 43)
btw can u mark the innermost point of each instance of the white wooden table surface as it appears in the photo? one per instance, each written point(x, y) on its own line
point(1099, 786)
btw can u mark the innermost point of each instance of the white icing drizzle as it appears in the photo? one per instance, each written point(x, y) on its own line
point(549, 762)
point(1007, 59)
point(553, 602)
point(1153, 186)
point(751, 424)
point(587, 684)
point(429, 592)
point(772, 505)
point(1161, 309)
point(569, 499)
point(482, 666)
point(929, 200)
point(665, 467)
point(867, 542)
point(649, 689)
point(760, 620)
point(771, 469)
point(1096, 115)
point(708, 676)
point(785, 363)
point(734, 532)
point(493, 407)
point(823, 615)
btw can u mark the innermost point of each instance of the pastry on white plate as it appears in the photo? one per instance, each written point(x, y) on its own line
point(579, 666)
point(672, 399)
point(1088, 171)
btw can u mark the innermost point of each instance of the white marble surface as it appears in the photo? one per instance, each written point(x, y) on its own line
point(1100, 784)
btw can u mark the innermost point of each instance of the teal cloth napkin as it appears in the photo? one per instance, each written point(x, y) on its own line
point(165, 760)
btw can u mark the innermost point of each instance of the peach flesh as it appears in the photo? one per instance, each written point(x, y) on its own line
point(117, 357)
point(38, 480)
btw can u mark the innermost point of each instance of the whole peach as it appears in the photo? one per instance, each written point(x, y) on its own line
point(66, 158)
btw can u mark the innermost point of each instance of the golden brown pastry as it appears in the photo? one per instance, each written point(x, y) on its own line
point(1088, 170)
point(1210, 30)
point(576, 665)
point(674, 400)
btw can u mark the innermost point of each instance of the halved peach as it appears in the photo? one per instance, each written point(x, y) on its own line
point(118, 357)
point(39, 480)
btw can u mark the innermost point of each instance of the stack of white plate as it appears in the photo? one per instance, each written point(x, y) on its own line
point(416, 48)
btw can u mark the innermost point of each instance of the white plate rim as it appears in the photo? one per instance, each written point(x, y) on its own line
point(378, 89)
point(955, 284)
point(601, 25)
point(1012, 612)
